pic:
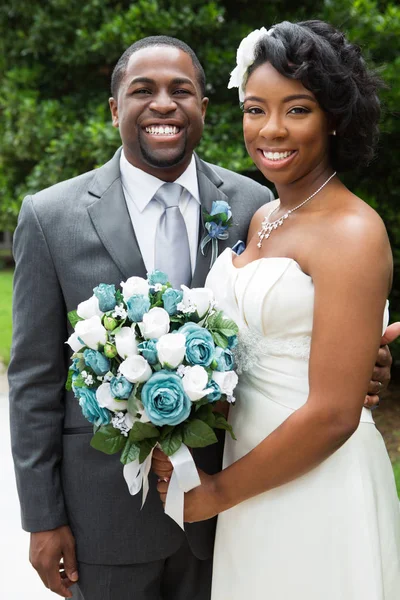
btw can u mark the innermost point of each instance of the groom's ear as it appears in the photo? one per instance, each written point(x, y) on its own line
point(114, 111)
point(204, 104)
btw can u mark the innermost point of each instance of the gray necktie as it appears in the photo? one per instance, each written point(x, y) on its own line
point(172, 254)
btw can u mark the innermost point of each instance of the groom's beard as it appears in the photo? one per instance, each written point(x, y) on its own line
point(158, 158)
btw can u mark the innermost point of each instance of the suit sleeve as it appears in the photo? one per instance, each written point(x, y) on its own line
point(37, 374)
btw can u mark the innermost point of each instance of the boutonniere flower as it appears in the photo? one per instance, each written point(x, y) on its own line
point(216, 224)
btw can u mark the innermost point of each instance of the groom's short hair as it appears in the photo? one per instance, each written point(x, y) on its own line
point(155, 40)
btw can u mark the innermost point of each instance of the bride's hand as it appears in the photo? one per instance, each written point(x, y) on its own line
point(381, 375)
point(161, 465)
point(201, 503)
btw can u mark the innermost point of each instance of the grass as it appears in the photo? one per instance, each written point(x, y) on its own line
point(5, 315)
point(396, 470)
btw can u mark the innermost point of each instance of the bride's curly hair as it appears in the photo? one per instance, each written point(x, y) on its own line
point(333, 69)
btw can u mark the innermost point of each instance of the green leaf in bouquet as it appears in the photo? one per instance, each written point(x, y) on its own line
point(79, 381)
point(73, 318)
point(172, 441)
point(68, 383)
point(222, 423)
point(206, 414)
point(146, 446)
point(130, 452)
point(166, 430)
point(108, 440)
point(197, 434)
point(220, 339)
point(119, 297)
point(199, 403)
point(228, 328)
point(141, 431)
point(216, 320)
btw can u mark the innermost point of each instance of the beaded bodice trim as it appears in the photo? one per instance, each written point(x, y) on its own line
point(252, 345)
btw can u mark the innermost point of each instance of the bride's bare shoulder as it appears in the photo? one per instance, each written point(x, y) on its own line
point(259, 216)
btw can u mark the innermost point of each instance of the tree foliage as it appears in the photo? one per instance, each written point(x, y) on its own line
point(56, 59)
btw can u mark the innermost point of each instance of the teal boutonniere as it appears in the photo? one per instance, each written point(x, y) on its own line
point(216, 223)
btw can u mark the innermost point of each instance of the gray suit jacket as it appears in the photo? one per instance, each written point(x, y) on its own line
point(70, 238)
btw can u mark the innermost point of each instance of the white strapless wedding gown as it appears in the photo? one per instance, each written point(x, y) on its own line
point(334, 533)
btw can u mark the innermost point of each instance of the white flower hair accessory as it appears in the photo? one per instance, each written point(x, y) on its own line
point(245, 57)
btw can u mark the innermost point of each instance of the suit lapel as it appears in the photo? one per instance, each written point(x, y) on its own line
point(111, 219)
point(209, 183)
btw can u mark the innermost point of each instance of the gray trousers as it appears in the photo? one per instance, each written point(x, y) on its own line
point(181, 576)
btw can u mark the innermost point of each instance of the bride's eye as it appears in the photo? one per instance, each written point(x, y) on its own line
point(299, 110)
point(252, 110)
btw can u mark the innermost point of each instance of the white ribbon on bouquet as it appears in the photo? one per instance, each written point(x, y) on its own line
point(184, 478)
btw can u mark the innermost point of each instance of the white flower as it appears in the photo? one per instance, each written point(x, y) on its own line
point(158, 287)
point(91, 332)
point(106, 400)
point(200, 298)
point(74, 342)
point(135, 369)
point(89, 308)
point(125, 342)
point(155, 323)
point(123, 422)
point(171, 349)
point(245, 57)
point(119, 311)
point(133, 286)
point(181, 370)
point(89, 380)
point(227, 381)
point(142, 412)
point(195, 383)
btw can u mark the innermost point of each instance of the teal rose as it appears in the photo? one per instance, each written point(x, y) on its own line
point(90, 407)
point(106, 296)
point(157, 276)
point(200, 347)
point(232, 342)
point(120, 388)
point(96, 361)
point(137, 306)
point(148, 350)
point(220, 207)
point(171, 298)
point(164, 399)
point(216, 393)
point(224, 359)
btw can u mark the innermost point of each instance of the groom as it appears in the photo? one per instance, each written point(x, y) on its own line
point(104, 226)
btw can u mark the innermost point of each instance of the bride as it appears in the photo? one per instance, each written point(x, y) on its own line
point(306, 500)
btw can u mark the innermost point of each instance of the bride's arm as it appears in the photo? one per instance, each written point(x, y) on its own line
point(351, 273)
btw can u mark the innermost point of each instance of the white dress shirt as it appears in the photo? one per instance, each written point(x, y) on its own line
point(139, 189)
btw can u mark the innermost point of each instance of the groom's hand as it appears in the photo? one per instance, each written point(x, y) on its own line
point(161, 465)
point(52, 554)
point(381, 374)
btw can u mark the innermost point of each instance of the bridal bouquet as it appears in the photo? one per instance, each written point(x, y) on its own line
point(148, 364)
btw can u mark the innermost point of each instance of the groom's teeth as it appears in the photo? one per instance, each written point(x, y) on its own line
point(277, 155)
point(162, 129)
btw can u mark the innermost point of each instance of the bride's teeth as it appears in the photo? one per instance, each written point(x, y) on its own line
point(162, 129)
point(277, 155)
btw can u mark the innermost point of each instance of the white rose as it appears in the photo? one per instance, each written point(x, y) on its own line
point(155, 324)
point(201, 298)
point(74, 342)
point(89, 308)
point(245, 56)
point(171, 349)
point(106, 400)
point(227, 381)
point(125, 342)
point(195, 383)
point(133, 286)
point(91, 332)
point(136, 369)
